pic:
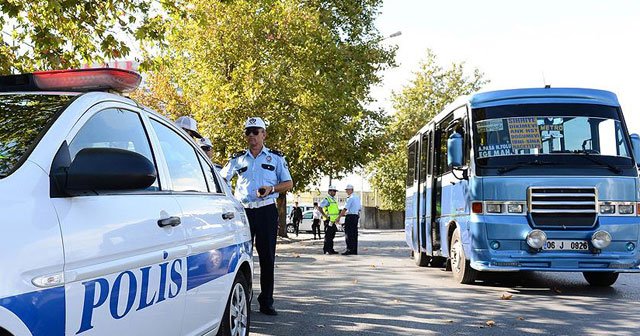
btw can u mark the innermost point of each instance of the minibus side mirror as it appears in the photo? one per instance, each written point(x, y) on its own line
point(455, 151)
point(635, 143)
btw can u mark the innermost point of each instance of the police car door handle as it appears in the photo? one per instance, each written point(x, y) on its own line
point(228, 215)
point(171, 221)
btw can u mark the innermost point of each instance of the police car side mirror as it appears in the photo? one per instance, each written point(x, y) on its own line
point(104, 169)
point(635, 143)
point(454, 151)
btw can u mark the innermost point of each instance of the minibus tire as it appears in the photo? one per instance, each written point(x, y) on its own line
point(460, 267)
point(421, 259)
point(600, 279)
point(225, 324)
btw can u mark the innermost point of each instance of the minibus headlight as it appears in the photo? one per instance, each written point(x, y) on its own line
point(536, 239)
point(514, 208)
point(625, 209)
point(494, 208)
point(601, 239)
point(607, 208)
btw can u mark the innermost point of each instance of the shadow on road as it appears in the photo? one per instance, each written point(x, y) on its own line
point(381, 292)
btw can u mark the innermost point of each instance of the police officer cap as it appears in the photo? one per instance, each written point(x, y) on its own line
point(205, 143)
point(190, 125)
point(349, 186)
point(255, 122)
point(332, 188)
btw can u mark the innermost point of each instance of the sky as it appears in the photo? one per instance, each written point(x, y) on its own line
point(518, 44)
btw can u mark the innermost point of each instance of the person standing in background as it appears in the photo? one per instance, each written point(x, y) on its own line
point(351, 212)
point(330, 211)
point(316, 220)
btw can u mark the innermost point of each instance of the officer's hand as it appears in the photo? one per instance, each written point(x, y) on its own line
point(263, 191)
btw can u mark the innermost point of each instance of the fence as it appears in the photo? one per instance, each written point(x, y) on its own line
point(374, 218)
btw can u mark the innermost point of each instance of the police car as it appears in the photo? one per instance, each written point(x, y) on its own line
point(115, 222)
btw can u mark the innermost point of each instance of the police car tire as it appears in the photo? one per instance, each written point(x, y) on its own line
point(600, 279)
point(225, 324)
point(291, 228)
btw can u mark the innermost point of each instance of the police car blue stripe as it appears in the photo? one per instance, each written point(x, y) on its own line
point(43, 312)
point(208, 266)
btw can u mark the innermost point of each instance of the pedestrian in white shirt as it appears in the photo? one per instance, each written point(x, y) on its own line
point(317, 215)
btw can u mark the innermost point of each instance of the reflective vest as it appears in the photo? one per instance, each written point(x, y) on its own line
point(332, 209)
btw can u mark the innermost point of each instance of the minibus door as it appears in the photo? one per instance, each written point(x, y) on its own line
point(425, 189)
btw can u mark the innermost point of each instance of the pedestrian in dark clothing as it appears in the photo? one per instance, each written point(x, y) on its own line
point(296, 215)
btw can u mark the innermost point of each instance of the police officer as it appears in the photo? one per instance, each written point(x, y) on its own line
point(262, 174)
point(206, 146)
point(330, 211)
point(189, 125)
point(351, 212)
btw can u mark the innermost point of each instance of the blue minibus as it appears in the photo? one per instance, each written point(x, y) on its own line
point(541, 179)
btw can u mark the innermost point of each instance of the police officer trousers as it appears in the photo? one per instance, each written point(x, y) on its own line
point(264, 228)
point(329, 234)
point(351, 232)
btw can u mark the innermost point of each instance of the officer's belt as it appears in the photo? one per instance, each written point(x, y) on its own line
point(259, 204)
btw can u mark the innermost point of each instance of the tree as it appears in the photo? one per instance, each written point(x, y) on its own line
point(305, 67)
point(431, 88)
point(59, 34)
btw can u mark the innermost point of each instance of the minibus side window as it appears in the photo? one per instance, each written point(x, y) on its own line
point(411, 169)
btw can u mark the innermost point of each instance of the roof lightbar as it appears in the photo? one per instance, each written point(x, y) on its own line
point(75, 80)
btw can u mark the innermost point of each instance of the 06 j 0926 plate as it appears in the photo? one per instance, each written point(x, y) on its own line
point(566, 245)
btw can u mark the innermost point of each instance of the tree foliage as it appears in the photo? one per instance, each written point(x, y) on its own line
point(430, 90)
point(59, 34)
point(306, 67)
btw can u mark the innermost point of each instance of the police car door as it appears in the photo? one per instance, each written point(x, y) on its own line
point(212, 221)
point(124, 252)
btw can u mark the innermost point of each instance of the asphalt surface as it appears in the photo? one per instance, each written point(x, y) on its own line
point(382, 292)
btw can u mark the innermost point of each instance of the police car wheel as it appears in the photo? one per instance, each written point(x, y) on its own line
point(460, 265)
point(236, 319)
point(291, 228)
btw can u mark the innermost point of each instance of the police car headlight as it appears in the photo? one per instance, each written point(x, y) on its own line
point(601, 239)
point(536, 239)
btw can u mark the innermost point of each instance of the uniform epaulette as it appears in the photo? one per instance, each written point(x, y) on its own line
point(238, 154)
point(278, 153)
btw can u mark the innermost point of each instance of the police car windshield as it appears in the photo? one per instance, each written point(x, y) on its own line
point(23, 120)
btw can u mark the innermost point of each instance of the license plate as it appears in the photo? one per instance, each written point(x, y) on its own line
point(566, 245)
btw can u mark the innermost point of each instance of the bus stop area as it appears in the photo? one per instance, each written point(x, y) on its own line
point(382, 292)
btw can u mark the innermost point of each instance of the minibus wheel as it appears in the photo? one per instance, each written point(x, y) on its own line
point(421, 258)
point(601, 279)
point(460, 265)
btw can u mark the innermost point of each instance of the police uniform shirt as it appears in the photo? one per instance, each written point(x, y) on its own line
point(267, 169)
point(353, 205)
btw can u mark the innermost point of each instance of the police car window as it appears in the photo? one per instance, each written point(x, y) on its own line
point(182, 160)
point(212, 181)
point(114, 128)
point(24, 118)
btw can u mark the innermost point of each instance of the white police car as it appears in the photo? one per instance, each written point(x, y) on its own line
point(115, 222)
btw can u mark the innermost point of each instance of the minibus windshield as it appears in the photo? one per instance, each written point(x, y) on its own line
point(541, 131)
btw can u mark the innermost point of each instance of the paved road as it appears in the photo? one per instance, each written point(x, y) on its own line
point(382, 292)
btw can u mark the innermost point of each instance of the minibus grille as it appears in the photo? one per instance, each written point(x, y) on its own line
point(563, 207)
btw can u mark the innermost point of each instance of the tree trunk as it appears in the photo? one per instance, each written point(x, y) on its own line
point(282, 215)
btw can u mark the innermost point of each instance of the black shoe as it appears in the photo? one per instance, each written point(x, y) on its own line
point(347, 252)
point(268, 311)
point(330, 252)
